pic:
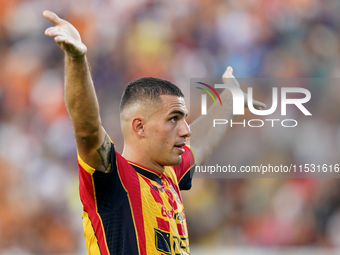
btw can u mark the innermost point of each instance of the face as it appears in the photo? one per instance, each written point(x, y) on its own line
point(166, 131)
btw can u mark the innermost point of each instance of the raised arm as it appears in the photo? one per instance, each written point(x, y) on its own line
point(205, 138)
point(93, 144)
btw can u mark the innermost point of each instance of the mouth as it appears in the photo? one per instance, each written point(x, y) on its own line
point(180, 147)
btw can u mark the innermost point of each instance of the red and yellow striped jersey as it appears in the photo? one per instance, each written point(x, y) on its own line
point(134, 210)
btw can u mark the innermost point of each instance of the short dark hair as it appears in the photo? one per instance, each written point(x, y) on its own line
point(148, 88)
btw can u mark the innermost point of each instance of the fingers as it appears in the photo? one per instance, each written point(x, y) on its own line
point(228, 77)
point(259, 105)
point(51, 16)
point(256, 104)
point(65, 35)
point(228, 73)
point(62, 39)
point(52, 31)
point(59, 35)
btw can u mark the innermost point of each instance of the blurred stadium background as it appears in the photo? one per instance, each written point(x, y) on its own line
point(40, 212)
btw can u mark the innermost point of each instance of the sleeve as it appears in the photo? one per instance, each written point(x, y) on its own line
point(185, 170)
point(98, 189)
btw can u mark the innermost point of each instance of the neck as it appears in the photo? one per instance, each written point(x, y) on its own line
point(133, 154)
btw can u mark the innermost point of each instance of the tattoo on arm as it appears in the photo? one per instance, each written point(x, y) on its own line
point(105, 152)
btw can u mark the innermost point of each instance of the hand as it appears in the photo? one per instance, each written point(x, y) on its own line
point(228, 76)
point(65, 35)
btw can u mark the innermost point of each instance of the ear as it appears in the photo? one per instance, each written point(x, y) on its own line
point(138, 126)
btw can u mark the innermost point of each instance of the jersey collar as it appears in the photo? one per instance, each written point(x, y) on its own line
point(148, 173)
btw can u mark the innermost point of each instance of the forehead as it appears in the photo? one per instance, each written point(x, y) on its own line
point(172, 103)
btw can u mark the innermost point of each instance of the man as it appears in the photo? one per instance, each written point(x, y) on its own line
point(132, 202)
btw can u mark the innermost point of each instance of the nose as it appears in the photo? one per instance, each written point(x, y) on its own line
point(185, 130)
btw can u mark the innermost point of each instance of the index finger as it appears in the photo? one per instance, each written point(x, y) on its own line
point(51, 16)
point(228, 72)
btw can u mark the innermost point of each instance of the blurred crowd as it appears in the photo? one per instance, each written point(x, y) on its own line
point(40, 211)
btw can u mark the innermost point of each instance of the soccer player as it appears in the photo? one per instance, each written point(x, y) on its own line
point(132, 202)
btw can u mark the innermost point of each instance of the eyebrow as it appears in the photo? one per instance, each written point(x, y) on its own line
point(178, 112)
